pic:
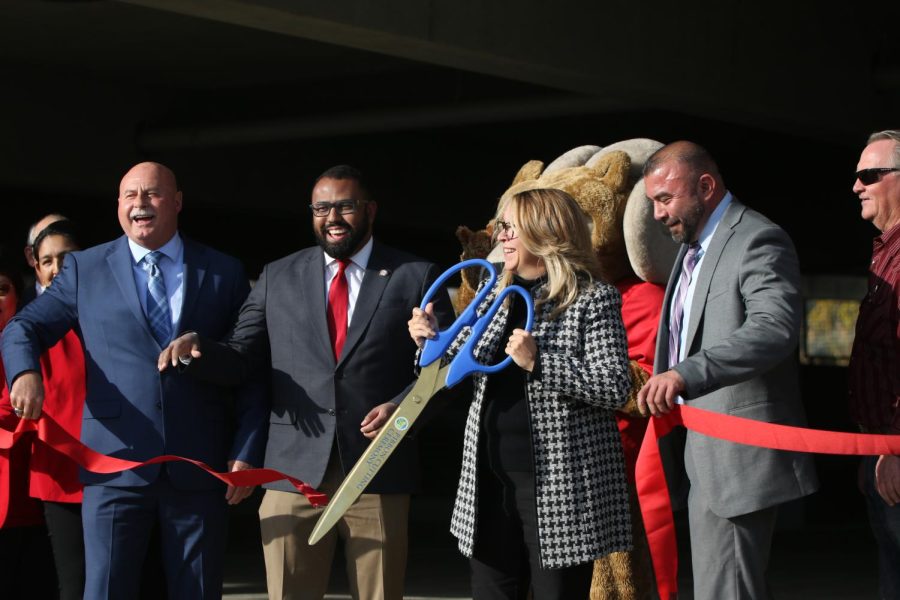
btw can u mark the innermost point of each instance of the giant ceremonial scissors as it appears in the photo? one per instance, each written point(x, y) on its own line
point(432, 379)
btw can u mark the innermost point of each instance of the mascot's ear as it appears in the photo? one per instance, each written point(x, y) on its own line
point(530, 170)
point(612, 169)
point(463, 234)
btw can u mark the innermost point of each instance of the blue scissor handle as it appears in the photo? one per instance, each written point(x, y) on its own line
point(435, 348)
point(465, 363)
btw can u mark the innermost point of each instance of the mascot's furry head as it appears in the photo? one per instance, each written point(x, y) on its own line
point(607, 184)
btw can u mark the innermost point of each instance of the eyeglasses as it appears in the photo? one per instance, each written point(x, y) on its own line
point(870, 176)
point(501, 226)
point(344, 207)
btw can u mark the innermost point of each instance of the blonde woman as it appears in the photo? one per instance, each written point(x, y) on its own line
point(542, 491)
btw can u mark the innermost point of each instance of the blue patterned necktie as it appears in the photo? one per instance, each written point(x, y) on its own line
point(157, 300)
point(677, 314)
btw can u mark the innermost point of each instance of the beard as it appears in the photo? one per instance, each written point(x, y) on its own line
point(350, 245)
point(690, 222)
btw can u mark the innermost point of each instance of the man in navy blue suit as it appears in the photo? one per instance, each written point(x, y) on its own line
point(128, 298)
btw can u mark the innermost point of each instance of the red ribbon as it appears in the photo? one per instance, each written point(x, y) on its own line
point(653, 493)
point(656, 507)
point(51, 433)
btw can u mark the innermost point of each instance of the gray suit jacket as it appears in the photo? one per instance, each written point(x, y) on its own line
point(741, 360)
point(316, 402)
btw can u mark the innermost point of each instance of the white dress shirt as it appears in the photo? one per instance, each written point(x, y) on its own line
point(354, 272)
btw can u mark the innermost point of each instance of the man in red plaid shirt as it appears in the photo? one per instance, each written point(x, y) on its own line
point(875, 361)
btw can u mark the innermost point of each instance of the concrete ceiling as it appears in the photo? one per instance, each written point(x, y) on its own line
point(92, 86)
point(793, 67)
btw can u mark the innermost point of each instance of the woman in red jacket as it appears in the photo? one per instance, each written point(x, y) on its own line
point(24, 552)
point(54, 477)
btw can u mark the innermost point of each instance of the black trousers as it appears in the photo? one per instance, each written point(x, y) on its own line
point(67, 540)
point(506, 561)
point(26, 564)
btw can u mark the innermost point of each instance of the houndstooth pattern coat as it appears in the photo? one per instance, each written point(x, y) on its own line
point(581, 493)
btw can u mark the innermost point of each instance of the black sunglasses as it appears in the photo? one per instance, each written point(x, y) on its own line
point(870, 176)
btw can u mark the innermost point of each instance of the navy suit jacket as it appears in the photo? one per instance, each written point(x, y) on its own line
point(131, 410)
point(317, 401)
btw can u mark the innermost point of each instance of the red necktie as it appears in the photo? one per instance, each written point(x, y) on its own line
point(338, 303)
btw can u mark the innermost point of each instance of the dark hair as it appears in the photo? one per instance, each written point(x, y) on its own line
point(347, 172)
point(10, 268)
point(32, 233)
point(64, 228)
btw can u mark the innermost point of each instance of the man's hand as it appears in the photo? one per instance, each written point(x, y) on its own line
point(376, 418)
point(27, 395)
point(659, 393)
point(887, 478)
point(235, 494)
point(522, 348)
point(188, 345)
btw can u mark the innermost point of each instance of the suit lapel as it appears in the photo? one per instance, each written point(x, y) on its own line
point(195, 265)
point(373, 284)
point(120, 263)
point(311, 276)
point(710, 261)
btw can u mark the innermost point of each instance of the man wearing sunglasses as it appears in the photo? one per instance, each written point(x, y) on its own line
point(875, 360)
point(329, 324)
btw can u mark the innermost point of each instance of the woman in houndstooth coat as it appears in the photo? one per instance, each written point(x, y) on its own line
point(542, 491)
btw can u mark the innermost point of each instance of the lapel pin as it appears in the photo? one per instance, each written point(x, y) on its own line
point(384, 272)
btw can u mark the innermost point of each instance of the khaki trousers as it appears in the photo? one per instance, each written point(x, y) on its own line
point(373, 530)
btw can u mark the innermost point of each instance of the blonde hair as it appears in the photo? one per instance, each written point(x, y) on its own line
point(553, 227)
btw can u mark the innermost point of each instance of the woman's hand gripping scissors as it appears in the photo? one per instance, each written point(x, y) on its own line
point(432, 379)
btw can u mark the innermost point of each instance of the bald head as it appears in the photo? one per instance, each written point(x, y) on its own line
point(149, 203)
point(37, 227)
point(164, 173)
point(692, 155)
point(683, 182)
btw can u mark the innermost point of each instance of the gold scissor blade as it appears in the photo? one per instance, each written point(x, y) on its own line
point(431, 379)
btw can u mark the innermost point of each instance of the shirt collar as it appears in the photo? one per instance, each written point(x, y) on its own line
point(173, 249)
point(360, 259)
point(889, 237)
point(710, 228)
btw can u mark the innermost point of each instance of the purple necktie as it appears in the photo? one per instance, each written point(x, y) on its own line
point(676, 317)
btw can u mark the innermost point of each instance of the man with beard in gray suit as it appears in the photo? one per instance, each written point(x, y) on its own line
point(727, 343)
point(329, 323)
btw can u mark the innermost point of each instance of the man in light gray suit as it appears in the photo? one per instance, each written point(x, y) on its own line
point(727, 343)
point(329, 325)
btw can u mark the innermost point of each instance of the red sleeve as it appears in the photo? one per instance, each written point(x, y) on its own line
point(641, 307)
point(53, 475)
point(16, 508)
